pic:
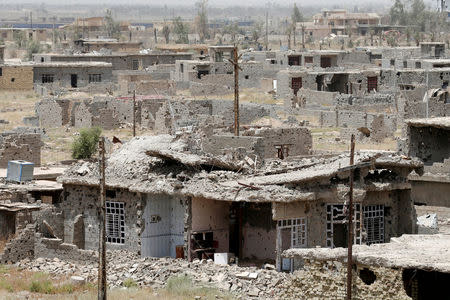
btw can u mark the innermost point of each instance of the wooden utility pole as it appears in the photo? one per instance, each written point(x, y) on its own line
point(267, 30)
point(350, 221)
point(134, 113)
point(235, 63)
point(303, 36)
point(102, 227)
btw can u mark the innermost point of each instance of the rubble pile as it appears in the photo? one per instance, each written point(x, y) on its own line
point(244, 282)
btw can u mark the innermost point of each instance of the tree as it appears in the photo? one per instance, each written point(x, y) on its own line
point(85, 145)
point(397, 13)
point(19, 37)
point(257, 31)
point(231, 29)
point(166, 33)
point(295, 18)
point(418, 14)
point(201, 20)
point(112, 27)
point(296, 15)
point(181, 30)
point(32, 48)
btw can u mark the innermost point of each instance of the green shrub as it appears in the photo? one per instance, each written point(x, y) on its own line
point(129, 283)
point(85, 145)
point(41, 284)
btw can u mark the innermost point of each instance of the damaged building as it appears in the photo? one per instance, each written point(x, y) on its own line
point(164, 201)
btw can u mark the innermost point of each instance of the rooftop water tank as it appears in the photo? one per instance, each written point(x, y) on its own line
point(19, 171)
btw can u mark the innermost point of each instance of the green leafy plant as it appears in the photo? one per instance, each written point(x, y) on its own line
point(85, 145)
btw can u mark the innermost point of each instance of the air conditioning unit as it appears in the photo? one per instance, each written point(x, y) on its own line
point(19, 171)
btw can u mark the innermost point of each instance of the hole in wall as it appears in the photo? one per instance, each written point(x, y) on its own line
point(367, 276)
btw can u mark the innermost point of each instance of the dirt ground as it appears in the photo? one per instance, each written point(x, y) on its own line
point(57, 141)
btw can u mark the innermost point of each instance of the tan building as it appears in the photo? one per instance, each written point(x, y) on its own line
point(338, 22)
point(15, 76)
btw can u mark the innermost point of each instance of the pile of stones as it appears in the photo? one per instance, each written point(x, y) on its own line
point(244, 282)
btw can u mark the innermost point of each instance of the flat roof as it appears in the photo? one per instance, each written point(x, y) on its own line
point(115, 54)
point(424, 252)
point(440, 122)
point(80, 64)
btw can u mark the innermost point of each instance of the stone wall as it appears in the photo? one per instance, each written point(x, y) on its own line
point(327, 280)
point(298, 140)
point(20, 146)
point(20, 247)
point(55, 248)
point(83, 200)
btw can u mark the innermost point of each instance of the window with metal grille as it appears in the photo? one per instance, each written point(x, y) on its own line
point(135, 64)
point(372, 83)
point(337, 225)
point(298, 231)
point(48, 78)
point(115, 222)
point(374, 223)
point(95, 78)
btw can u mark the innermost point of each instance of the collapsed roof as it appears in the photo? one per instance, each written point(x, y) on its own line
point(162, 164)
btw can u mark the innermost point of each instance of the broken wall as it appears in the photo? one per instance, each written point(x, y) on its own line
point(83, 200)
point(327, 280)
point(210, 215)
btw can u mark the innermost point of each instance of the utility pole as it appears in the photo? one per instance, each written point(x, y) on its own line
point(134, 113)
point(235, 63)
point(102, 234)
point(267, 30)
point(303, 36)
point(53, 43)
point(350, 221)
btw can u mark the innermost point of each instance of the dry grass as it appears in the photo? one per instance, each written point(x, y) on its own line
point(15, 284)
point(13, 280)
point(22, 102)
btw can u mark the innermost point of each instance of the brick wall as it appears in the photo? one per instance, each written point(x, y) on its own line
point(16, 77)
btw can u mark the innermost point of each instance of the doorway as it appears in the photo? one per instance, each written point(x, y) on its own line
point(235, 238)
point(74, 80)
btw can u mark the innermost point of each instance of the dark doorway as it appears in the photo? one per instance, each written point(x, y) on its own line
point(339, 83)
point(235, 238)
point(73, 80)
point(296, 84)
point(319, 81)
point(325, 62)
point(340, 235)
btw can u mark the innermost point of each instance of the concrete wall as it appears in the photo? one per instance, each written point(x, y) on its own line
point(163, 225)
point(62, 74)
point(212, 216)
